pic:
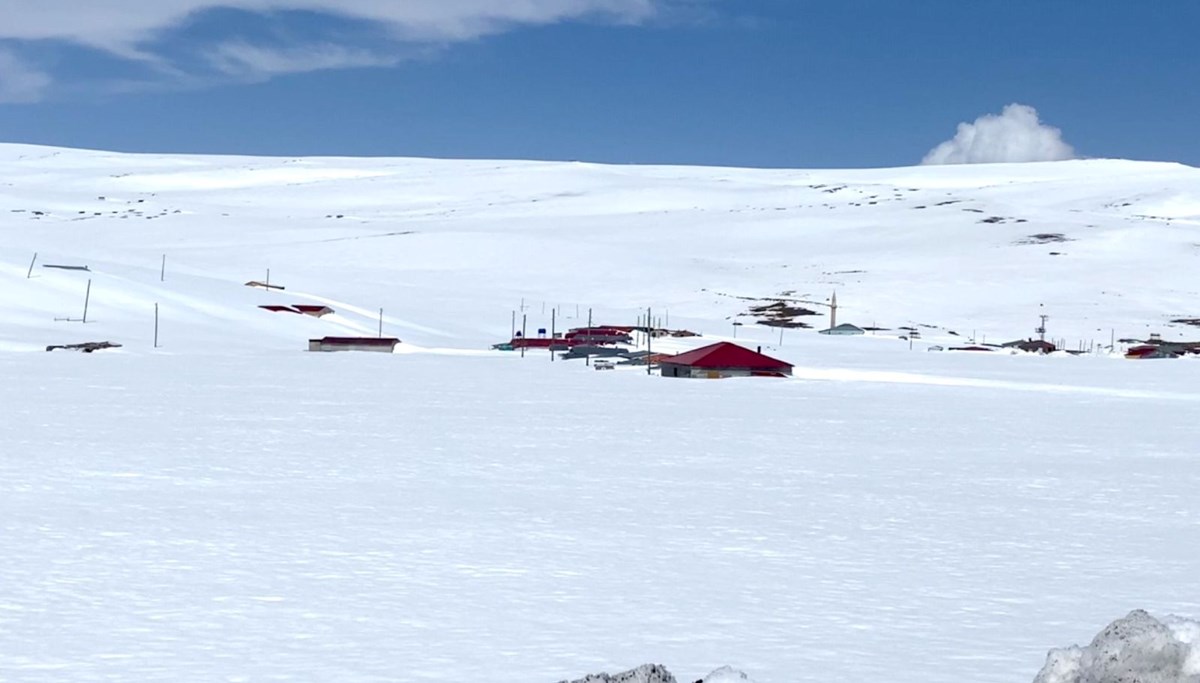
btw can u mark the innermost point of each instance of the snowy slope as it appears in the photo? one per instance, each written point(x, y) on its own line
point(450, 248)
point(230, 508)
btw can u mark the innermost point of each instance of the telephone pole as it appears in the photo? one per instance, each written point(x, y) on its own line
point(648, 336)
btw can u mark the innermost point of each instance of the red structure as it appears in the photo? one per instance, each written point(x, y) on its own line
point(306, 309)
point(315, 311)
point(1149, 351)
point(723, 359)
point(380, 344)
point(598, 336)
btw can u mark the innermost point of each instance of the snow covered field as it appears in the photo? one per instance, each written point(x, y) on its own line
point(229, 507)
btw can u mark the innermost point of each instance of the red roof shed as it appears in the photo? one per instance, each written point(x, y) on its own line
point(723, 359)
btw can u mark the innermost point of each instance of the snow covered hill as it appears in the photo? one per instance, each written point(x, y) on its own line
point(229, 507)
point(449, 248)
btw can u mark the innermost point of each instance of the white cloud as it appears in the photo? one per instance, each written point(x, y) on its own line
point(19, 82)
point(251, 62)
point(136, 31)
point(120, 25)
point(1015, 135)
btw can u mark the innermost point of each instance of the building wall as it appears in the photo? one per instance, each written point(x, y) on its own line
point(318, 346)
point(673, 370)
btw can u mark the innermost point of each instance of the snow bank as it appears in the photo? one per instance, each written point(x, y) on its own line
point(646, 673)
point(1136, 649)
point(726, 674)
point(654, 673)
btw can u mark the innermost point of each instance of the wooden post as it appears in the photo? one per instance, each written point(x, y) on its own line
point(86, 297)
point(268, 282)
point(587, 360)
point(30, 273)
point(156, 325)
point(381, 323)
point(162, 274)
point(649, 353)
point(524, 317)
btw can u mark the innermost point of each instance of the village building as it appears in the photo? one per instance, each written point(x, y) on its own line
point(313, 310)
point(1146, 351)
point(598, 336)
point(305, 309)
point(274, 308)
point(1031, 345)
point(378, 344)
point(723, 359)
point(845, 329)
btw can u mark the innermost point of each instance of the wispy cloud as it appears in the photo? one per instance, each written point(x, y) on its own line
point(20, 82)
point(1015, 135)
point(252, 62)
point(117, 24)
point(134, 31)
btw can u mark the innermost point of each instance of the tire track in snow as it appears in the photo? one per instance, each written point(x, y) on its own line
point(373, 315)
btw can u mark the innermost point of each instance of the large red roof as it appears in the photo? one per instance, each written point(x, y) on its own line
point(726, 355)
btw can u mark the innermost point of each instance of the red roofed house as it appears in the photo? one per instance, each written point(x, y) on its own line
point(723, 359)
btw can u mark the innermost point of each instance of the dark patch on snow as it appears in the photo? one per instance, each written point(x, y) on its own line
point(1044, 238)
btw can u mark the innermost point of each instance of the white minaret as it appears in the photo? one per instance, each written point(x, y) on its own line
point(833, 311)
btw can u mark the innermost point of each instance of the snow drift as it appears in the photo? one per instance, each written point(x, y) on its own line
point(655, 673)
point(1136, 649)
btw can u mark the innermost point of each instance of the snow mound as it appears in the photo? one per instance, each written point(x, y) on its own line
point(726, 674)
point(646, 673)
point(1136, 649)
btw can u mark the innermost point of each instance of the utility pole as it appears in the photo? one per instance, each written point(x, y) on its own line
point(512, 331)
point(649, 353)
point(524, 316)
point(30, 273)
point(381, 323)
point(156, 325)
point(587, 359)
point(86, 297)
point(553, 331)
point(162, 274)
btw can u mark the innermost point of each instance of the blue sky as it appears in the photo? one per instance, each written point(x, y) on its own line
point(794, 83)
